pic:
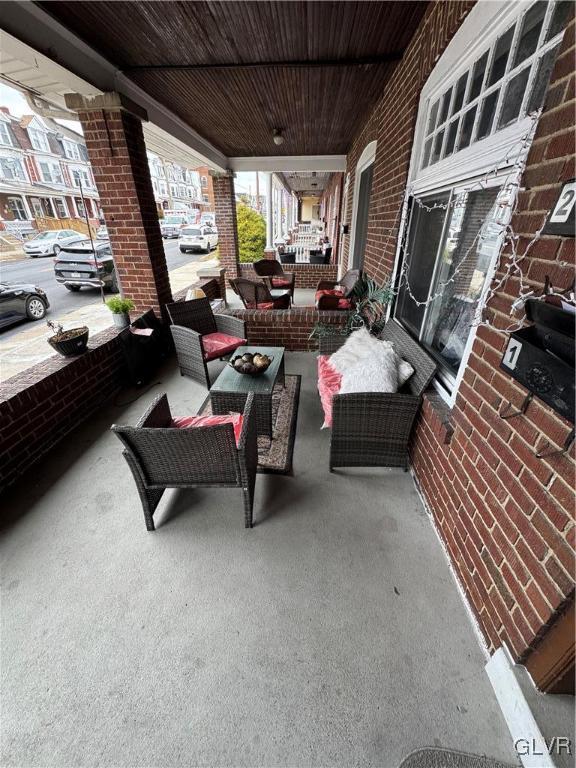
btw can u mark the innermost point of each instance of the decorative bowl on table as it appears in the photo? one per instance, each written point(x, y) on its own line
point(251, 364)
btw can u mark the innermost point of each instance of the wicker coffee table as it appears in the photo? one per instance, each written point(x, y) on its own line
point(230, 390)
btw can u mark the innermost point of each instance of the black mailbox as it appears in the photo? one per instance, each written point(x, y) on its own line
point(541, 357)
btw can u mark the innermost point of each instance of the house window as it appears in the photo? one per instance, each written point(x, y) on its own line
point(72, 150)
point(80, 207)
point(5, 135)
point(11, 168)
point(205, 199)
point(473, 119)
point(162, 188)
point(60, 206)
point(173, 190)
point(503, 85)
point(80, 176)
point(16, 205)
point(204, 181)
point(39, 140)
point(51, 173)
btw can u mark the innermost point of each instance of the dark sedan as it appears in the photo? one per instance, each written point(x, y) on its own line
point(19, 301)
point(84, 264)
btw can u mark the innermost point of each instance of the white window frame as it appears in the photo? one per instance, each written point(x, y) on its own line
point(16, 161)
point(71, 149)
point(40, 137)
point(52, 167)
point(487, 21)
point(366, 159)
point(5, 135)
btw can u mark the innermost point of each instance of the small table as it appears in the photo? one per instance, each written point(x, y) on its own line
point(230, 390)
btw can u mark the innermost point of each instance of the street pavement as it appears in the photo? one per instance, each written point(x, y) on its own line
point(24, 345)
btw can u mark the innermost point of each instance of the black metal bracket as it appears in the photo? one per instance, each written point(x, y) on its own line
point(505, 412)
point(557, 451)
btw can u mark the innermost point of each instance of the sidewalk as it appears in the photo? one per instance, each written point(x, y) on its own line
point(30, 346)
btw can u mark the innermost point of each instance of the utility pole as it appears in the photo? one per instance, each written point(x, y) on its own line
point(78, 178)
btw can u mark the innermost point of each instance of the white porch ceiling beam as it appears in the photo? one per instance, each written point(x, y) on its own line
point(286, 164)
point(32, 25)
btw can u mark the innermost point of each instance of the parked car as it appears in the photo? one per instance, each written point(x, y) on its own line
point(102, 232)
point(198, 238)
point(81, 265)
point(19, 301)
point(50, 242)
point(170, 226)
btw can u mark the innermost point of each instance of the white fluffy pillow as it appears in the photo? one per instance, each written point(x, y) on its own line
point(378, 373)
point(358, 346)
point(405, 370)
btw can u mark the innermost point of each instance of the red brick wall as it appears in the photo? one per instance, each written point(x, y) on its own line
point(225, 209)
point(506, 517)
point(43, 404)
point(290, 328)
point(307, 275)
point(115, 144)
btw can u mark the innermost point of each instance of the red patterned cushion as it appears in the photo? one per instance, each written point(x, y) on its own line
point(219, 344)
point(329, 381)
point(187, 422)
point(262, 305)
point(281, 282)
point(342, 302)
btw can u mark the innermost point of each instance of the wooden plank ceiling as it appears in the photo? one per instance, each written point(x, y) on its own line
point(235, 71)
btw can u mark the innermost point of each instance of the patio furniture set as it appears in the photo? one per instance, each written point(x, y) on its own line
point(371, 417)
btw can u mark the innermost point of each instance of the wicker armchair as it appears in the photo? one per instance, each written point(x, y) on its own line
point(272, 273)
point(336, 294)
point(255, 294)
point(162, 456)
point(201, 336)
point(373, 429)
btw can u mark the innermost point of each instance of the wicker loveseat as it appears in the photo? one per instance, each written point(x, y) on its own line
point(162, 455)
point(373, 428)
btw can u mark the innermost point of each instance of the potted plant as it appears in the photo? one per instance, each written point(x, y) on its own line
point(68, 343)
point(120, 309)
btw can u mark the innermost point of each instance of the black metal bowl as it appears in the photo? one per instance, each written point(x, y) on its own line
point(248, 368)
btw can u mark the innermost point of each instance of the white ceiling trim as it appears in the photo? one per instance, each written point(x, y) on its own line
point(288, 163)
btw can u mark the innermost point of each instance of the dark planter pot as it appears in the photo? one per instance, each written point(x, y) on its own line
point(71, 343)
point(288, 258)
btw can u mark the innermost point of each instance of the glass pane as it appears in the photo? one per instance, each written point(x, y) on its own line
point(432, 118)
point(513, 98)
point(530, 32)
point(445, 106)
point(487, 114)
point(540, 83)
point(420, 254)
point(427, 148)
point(558, 20)
point(451, 138)
point(437, 147)
point(465, 259)
point(501, 53)
point(459, 93)
point(478, 77)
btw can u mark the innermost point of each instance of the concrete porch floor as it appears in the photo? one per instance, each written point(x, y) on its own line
point(330, 634)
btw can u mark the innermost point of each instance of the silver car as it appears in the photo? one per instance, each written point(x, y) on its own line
point(50, 242)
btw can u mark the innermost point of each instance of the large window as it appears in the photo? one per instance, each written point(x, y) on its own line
point(504, 84)
point(11, 168)
point(80, 176)
point(39, 140)
point(16, 205)
point(5, 135)
point(72, 150)
point(475, 113)
point(51, 173)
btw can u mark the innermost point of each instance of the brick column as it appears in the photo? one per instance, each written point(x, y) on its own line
point(225, 210)
point(115, 142)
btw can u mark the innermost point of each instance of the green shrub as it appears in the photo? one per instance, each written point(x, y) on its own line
point(119, 306)
point(251, 233)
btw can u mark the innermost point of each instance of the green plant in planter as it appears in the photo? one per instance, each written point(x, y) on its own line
point(119, 306)
point(370, 300)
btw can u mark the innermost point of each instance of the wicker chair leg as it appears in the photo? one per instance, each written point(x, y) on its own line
point(248, 507)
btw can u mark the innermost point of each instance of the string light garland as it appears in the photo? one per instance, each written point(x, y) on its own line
point(515, 159)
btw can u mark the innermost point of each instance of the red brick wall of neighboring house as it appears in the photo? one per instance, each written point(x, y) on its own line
point(116, 148)
point(225, 210)
point(307, 275)
point(506, 517)
point(208, 189)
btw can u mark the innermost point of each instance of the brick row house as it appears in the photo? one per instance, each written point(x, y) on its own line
point(447, 131)
point(42, 166)
point(178, 187)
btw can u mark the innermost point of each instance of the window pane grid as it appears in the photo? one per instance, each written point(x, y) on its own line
point(435, 126)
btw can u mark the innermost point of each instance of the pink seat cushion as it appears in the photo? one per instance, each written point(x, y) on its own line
point(219, 344)
point(281, 282)
point(261, 305)
point(329, 381)
point(342, 302)
point(187, 422)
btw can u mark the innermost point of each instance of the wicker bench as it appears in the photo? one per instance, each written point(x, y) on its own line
point(372, 429)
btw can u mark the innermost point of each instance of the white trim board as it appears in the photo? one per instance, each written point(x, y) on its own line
point(288, 163)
